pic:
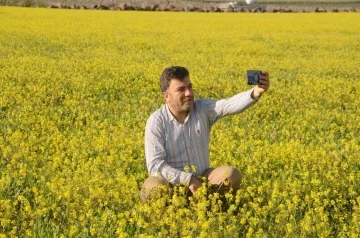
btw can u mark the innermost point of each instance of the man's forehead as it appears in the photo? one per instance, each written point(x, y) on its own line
point(178, 82)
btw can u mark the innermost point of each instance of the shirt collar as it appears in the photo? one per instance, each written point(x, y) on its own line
point(169, 114)
point(172, 118)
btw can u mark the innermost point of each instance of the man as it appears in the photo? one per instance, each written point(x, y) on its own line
point(177, 135)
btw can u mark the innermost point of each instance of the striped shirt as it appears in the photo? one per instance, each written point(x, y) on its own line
point(176, 150)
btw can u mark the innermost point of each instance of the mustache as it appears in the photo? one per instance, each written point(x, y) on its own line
point(189, 99)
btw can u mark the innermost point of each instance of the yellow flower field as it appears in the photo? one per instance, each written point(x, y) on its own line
point(77, 87)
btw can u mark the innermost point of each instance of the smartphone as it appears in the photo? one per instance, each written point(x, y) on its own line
point(253, 77)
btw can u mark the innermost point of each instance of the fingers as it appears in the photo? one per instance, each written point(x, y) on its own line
point(195, 184)
point(264, 85)
point(193, 189)
point(264, 78)
point(264, 82)
point(265, 73)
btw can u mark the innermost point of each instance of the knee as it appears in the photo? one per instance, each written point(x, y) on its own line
point(154, 182)
point(234, 178)
point(153, 188)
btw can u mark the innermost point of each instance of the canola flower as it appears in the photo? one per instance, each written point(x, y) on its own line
point(78, 86)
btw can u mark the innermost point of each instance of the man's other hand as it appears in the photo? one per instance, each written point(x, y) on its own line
point(194, 184)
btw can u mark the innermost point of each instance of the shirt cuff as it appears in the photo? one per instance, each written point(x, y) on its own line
point(185, 178)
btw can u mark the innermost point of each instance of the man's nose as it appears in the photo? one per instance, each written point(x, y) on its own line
point(189, 92)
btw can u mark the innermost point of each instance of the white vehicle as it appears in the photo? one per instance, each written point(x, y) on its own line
point(250, 1)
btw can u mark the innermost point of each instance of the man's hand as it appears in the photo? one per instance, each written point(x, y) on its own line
point(263, 87)
point(194, 184)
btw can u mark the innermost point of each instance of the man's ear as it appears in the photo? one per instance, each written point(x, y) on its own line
point(165, 96)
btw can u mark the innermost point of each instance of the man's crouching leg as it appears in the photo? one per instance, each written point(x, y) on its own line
point(223, 179)
point(153, 188)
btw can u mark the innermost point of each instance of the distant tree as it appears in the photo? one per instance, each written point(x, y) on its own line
point(29, 3)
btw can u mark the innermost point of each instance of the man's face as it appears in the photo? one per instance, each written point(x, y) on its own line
point(179, 96)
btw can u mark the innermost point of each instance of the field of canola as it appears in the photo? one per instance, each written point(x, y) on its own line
point(78, 86)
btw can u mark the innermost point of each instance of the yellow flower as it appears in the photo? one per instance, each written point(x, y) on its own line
point(75, 99)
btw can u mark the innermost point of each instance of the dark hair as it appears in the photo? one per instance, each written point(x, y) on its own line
point(173, 72)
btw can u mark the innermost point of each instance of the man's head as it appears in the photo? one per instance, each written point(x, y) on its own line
point(173, 72)
point(177, 90)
